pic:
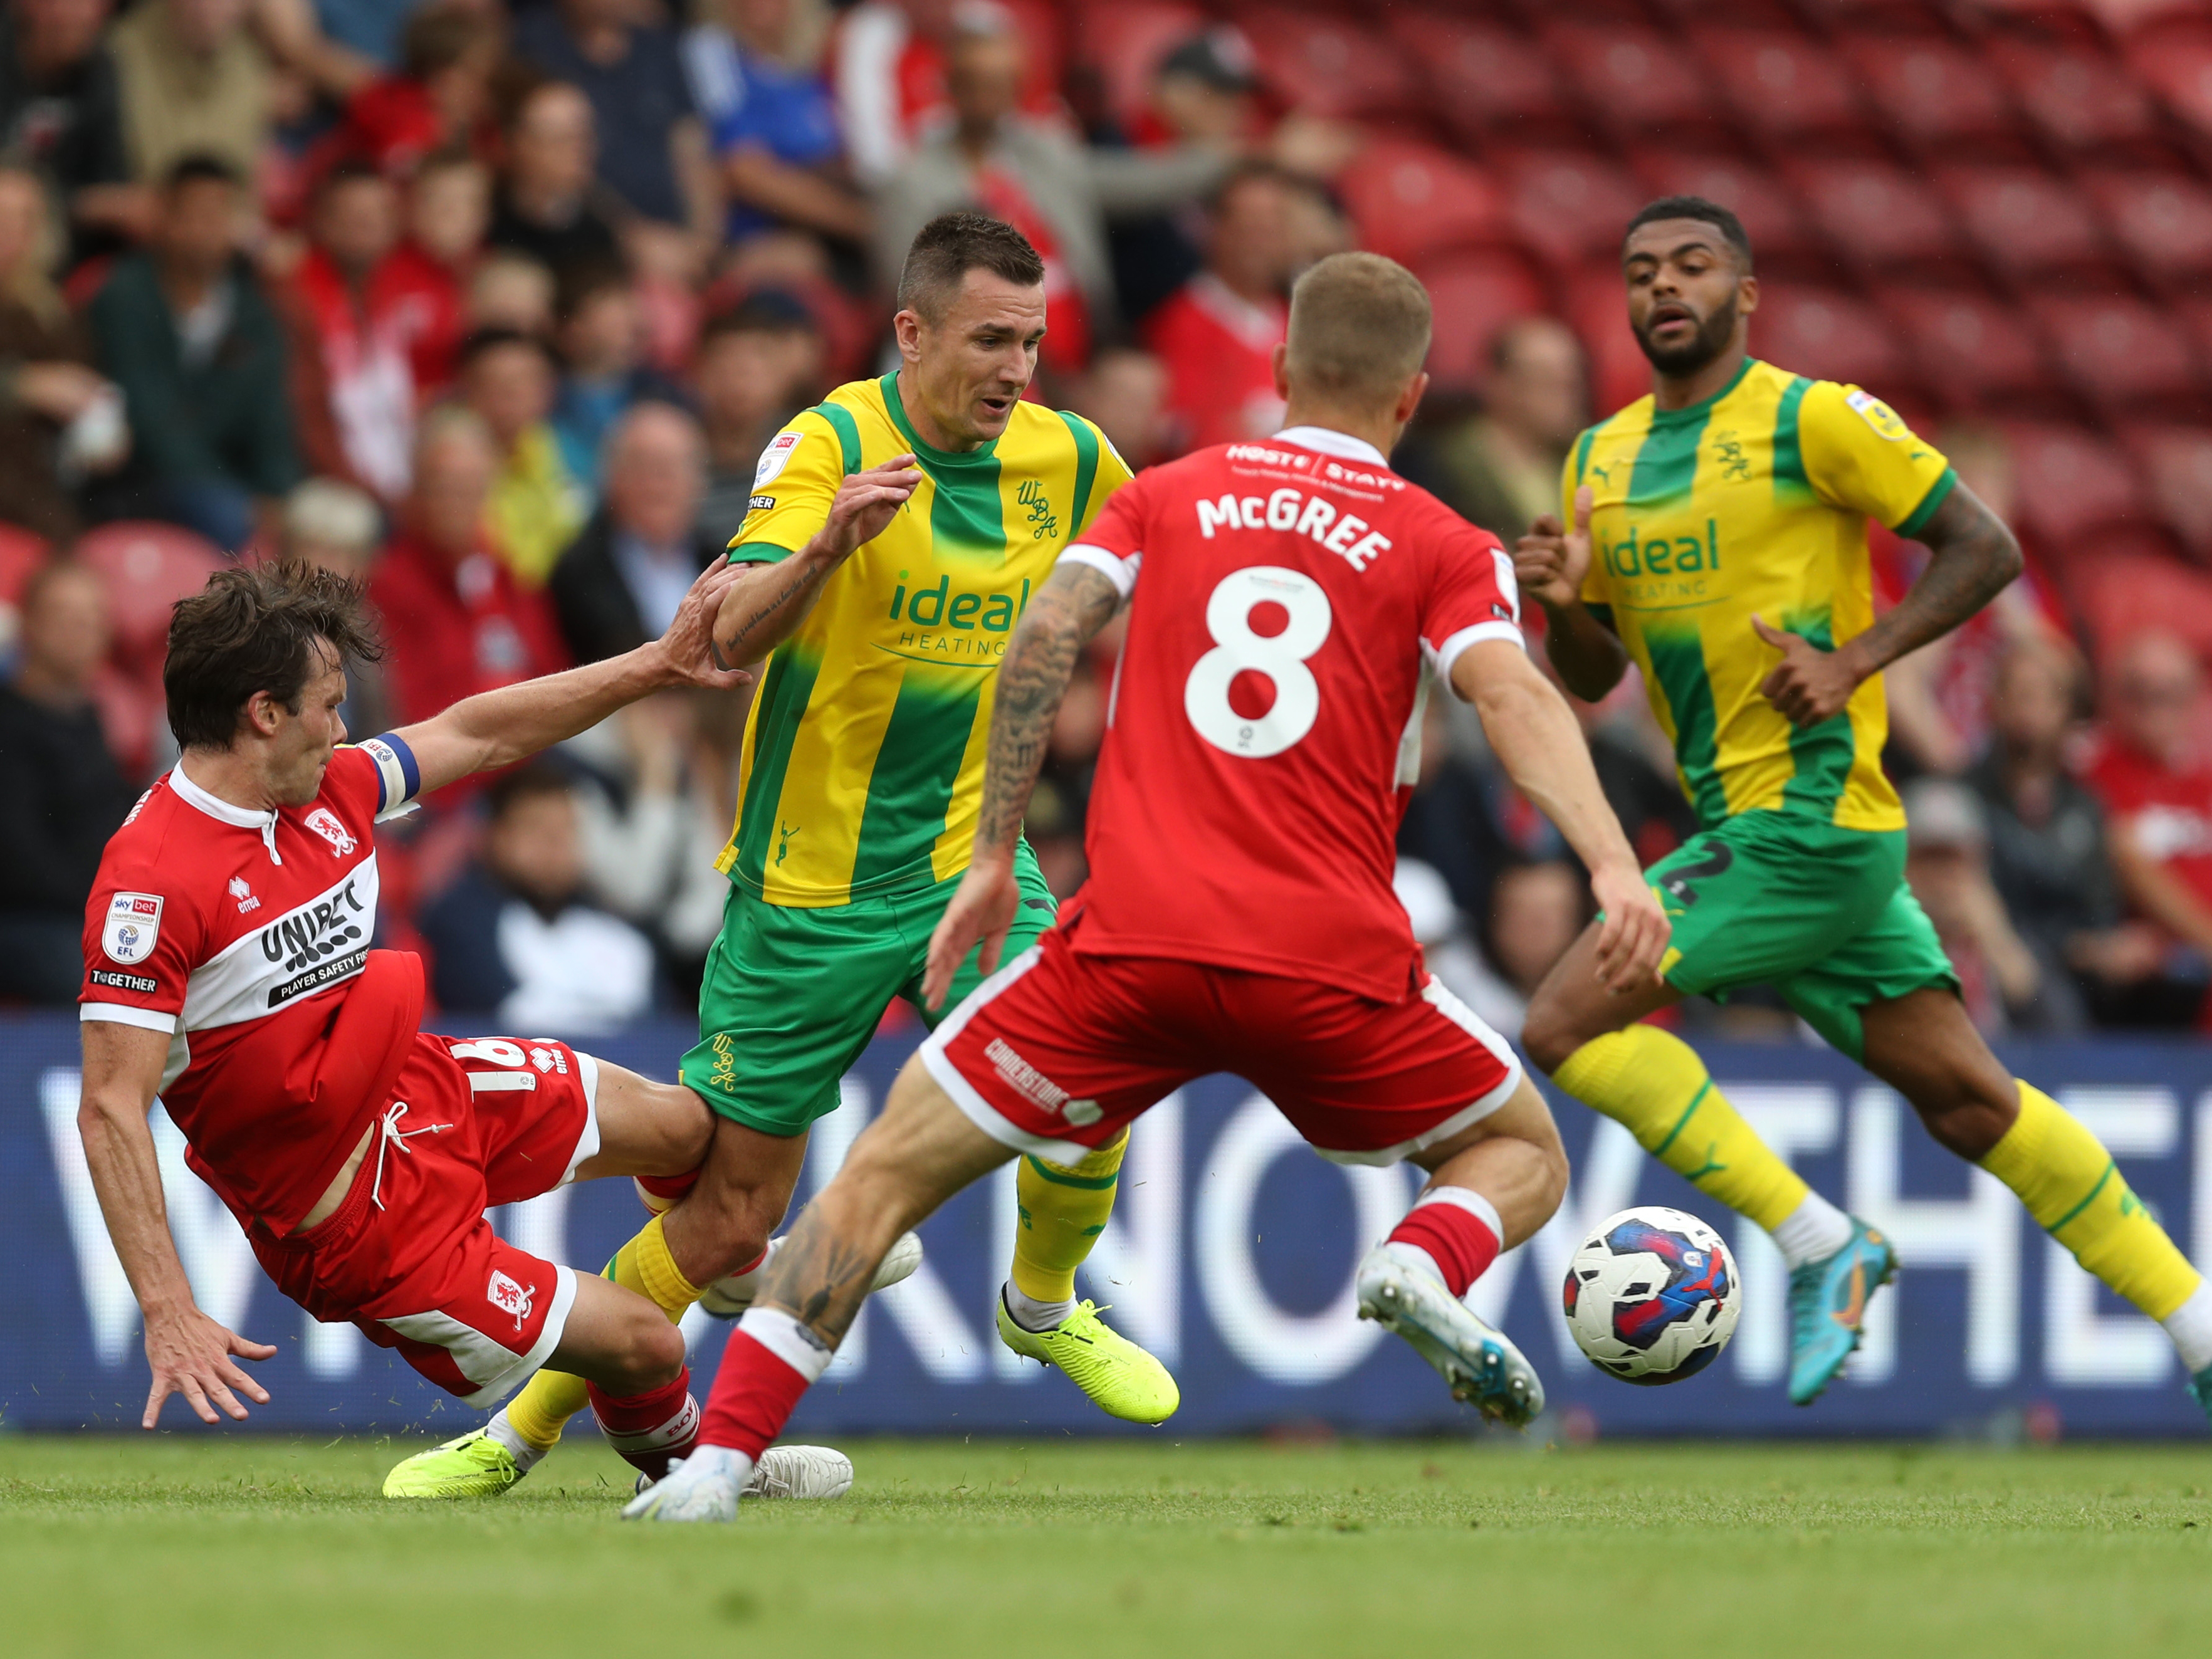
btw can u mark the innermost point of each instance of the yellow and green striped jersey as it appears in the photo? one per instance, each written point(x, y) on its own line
point(862, 769)
point(1754, 501)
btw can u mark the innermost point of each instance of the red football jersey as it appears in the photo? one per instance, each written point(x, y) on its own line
point(244, 937)
point(2171, 812)
point(1264, 727)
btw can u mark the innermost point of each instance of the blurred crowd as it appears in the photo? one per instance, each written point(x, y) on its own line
point(495, 305)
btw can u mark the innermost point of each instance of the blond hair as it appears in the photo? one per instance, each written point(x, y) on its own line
point(1360, 330)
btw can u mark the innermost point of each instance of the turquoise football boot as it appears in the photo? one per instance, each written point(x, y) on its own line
point(1827, 1309)
point(2201, 1386)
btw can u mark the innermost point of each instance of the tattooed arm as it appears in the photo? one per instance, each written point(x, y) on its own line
point(1974, 557)
point(765, 606)
point(1073, 604)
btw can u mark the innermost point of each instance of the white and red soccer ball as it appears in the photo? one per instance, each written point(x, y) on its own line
point(1652, 1296)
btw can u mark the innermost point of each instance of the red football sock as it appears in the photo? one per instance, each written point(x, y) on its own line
point(648, 1429)
point(1458, 1228)
point(758, 1386)
point(669, 1189)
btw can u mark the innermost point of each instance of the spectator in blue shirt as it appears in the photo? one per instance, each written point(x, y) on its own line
point(772, 123)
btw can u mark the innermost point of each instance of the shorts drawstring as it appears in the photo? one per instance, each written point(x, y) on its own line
point(391, 1137)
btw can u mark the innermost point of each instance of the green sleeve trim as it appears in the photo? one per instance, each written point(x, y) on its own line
point(1789, 446)
point(1939, 492)
point(1062, 1178)
point(756, 552)
point(1086, 470)
point(848, 433)
point(1583, 454)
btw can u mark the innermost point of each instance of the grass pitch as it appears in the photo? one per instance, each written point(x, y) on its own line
point(191, 1546)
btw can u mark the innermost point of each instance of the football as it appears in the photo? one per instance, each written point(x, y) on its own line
point(1652, 1296)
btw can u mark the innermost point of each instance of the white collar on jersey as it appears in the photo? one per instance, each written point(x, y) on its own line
point(224, 813)
point(1342, 444)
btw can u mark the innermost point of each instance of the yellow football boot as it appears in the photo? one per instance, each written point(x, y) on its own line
point(1122, 1380)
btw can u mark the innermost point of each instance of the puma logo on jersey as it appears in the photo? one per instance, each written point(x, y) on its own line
point(1347, 535)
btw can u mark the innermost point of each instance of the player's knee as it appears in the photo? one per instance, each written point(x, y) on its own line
point(686, 1126)
point(651, 1350)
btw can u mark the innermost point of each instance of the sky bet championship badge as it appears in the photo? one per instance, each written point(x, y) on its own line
point(133, 922)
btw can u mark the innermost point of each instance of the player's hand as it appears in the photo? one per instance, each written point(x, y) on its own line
point(1551, 561)
point(192, 1356)
point(866, 504)
point(1809, 686)
point(688, 646)
point(1632, 938)
point(983, 908)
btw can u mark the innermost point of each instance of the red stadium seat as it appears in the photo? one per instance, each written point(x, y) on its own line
point(1330, 65)
point(2177, 64)
point(2163, 220)
point(1829, 335)
point(1125, 39)
point(2127, 584)
point(1412, 201)
point(1783, 85)
point(1769, 211)
point(1934, 93)
point(1569, 205)
point(2071, 482)
point(2177, 460)
point(2026, 222)
point(2122, 352)
point(1631, 77)
point(148, 567)
point(1971, 351)
point(1880, 215)
point(1481, 77)
point(1476, 294)
point(2076, 95)
point(20, 553)
point(1597, 308)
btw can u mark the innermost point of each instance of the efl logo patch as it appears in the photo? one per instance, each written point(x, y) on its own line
point(1878, 415)
point(510, 1297)
point(776, 457)
point(325, 823)
point(134, 923)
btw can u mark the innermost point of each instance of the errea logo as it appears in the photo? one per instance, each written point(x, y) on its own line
point(243, 893)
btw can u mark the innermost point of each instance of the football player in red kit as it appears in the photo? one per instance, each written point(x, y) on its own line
point(1290, 601)
point(228, 968)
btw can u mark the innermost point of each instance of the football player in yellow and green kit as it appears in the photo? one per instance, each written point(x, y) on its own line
point(1714, 534)
point(896, 532)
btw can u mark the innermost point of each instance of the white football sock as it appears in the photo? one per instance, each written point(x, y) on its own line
point(1413, 1256)
point(1032, 1316)
point(1815, 1229)
point(2190, 1325)
point(525, 1454)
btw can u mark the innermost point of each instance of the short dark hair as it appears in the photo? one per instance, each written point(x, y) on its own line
point(350, 169)
point(482, 341)
point(953, 244)
point(254, 627)
point(767, 311)
point(527, 782)
point(580, 282)
point(199, 167)
point(1704, 212)
point(438, 37)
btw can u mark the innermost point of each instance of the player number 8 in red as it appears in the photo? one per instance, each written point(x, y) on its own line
point(1253, 695)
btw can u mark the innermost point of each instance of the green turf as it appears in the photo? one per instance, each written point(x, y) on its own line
point(246, 1546)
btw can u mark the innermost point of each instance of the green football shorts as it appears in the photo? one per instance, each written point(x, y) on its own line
point(1821, 914)
point(792, 994)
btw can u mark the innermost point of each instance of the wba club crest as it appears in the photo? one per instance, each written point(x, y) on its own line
point(510, 1297)
point(325, 823)
point(134, 923)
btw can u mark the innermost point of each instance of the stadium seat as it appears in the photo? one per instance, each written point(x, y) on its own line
point(2128, 583)
point(1971, 351)
point(1124, 41)
point(1769, 211)
point(1781, 85)
point(1933, 93)
point(1414, 201)
point(2027, 223)
point(2121, 351)
point(1880, 215)
point(1631, 78)
point(1476, 294)
point(1568, 204)
point(2176, 463)
point(2176, 62)
point(1330, 65)
point(20, 553)
point(1597, 309)
point(2071, 482)
point(1483, 78)
point(2163, 220)
point(2075, 95)
point(1829, 335)
point(148, 567)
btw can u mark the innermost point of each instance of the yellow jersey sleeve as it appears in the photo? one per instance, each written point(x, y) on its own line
point(1858, 455)
point(796, 480)
point(1113, 473)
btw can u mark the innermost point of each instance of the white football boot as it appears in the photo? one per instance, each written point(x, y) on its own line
point(812, 1473)
point(704, 1486)
point(1480, 1363)
point(727, 1298)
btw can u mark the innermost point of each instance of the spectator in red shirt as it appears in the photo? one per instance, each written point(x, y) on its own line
point(456, 621)
point(353, 317)
point(2156, 786)
point(441, 95)
point(449, 210)
point(1217, 333)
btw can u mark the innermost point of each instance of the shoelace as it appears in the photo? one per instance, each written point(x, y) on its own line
point(391, 1136)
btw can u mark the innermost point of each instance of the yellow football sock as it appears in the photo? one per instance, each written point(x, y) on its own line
point(2076, 1194)
point(1063, 1212)
point(549, 1399)
point(1652, 1083)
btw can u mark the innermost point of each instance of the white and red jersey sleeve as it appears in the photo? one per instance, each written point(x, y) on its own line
point(1288, 602)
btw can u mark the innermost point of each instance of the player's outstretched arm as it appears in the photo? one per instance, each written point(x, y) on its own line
point(498, 728)
point(190, 1353)
point(764, 606)
point(1973, 558)
point(1075, 601)
point(1550, 563)
point(1542, 748)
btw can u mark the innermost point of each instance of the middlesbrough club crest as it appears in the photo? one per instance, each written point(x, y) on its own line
point(510, 1296)
point(325, 823)
point(134, 924)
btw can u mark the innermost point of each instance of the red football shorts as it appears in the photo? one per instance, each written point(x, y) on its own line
point(1057, 1051)
point(408, 1256)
